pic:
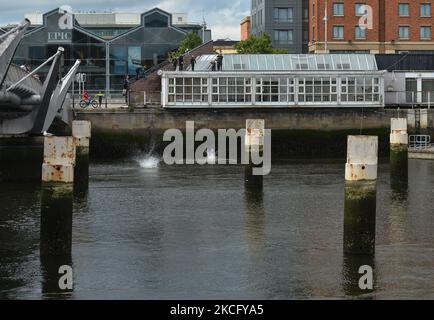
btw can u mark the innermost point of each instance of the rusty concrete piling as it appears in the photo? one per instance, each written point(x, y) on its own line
point(56, 197)
point(362, 158)
point(398, 134)
point(81, 132)
point(59, 159)
point(253, 146)
point(360, 195)
point(399, 155)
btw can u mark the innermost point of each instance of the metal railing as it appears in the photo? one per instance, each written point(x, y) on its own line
point(410, 98)
point(420, 142)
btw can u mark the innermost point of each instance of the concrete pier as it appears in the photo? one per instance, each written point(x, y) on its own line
point(56, 219)
point(359, 217)
point(59, 159)
point(360, 195)
point(81, 132)
point(255, 132)
point(399, 156)
point(398, 134)
point(253, 147)
point(362, 158)
point(56, 200)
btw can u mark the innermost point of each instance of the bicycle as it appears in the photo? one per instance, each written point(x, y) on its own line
point(91, 102)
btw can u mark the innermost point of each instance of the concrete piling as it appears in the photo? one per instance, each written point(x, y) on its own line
point(59, 159)
point(398, 134)
point(56, 200)
point(362, 158)
point(360, 195)
point(56, 219)
point(255, 132)
point(253, 145)
point(81, 132)
point(359, 217)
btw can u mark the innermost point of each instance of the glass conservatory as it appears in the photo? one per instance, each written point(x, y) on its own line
point(332, 80)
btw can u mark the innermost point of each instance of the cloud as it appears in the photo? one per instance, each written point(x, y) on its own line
point(222, 16)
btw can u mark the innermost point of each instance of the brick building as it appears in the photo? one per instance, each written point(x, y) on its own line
point(245, 28)
point(397, 26)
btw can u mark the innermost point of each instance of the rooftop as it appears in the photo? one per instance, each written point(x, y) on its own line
point(291, 62)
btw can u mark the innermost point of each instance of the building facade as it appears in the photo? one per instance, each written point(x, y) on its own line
point(277, 81)
point(286, 21)
point(371, 26)
point(110, 45)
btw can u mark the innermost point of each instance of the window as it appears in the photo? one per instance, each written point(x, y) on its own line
point(425, 10)
point(283, 14)
point(338, 32)
point(338, 9)
point(283, 36)
point(156, 20)
point(359, 89)
point(274, 90)
point(317, 89)
point(404, 10)
point(360, 32)
point(404, 32)
point(360, 9)
point(232, 89)
point(188, 90)
point(425, 33)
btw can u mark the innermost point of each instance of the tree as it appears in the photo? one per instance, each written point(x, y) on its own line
point(257, 45)
point(191, 41)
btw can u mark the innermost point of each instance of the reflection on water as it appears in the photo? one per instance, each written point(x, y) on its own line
point(254, 204)
point(213, 232)
point(351, 275)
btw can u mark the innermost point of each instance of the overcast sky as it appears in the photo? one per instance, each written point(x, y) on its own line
point(222, 16)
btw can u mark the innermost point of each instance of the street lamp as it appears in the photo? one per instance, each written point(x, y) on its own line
point(326, 19)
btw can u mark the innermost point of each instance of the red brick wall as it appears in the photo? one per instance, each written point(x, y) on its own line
point(415, 21)
point(349, 20)
point(386, 20)
point(245, 29)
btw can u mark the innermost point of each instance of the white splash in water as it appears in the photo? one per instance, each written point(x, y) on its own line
point(211, 156)
point(149, 162)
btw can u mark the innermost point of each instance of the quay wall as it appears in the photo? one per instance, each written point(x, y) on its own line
point(295, 132)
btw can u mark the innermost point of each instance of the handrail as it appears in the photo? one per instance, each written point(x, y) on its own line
point(419, 142)
point(60, 51)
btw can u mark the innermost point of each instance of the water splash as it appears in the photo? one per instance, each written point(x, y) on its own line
point(149, 162)
point(211, 156)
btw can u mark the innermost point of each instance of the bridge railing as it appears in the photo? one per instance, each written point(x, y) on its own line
point(420, 142)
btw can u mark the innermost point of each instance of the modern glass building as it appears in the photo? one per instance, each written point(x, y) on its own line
point(108, 51)
point(350, 80)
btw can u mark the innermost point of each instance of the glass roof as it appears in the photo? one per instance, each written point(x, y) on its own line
point(291, 62)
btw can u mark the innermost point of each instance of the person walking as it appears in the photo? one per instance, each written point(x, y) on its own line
point(138, 73)
point(126, 89)
point(193, 62)
point(181, 62)
point(220, 61)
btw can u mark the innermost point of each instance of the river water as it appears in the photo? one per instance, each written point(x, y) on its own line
point(145, 230)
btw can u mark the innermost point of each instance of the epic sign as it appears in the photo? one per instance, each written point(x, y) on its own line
point(60, 36)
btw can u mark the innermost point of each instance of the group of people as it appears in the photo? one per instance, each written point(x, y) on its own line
point(216, 64)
